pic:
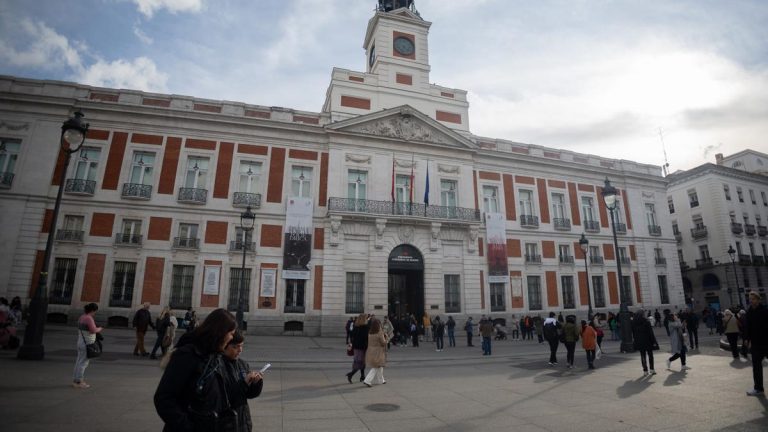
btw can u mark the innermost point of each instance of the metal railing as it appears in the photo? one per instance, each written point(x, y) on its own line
point(245, 199)
point(293, 309)
point(745, 259)
point(704, 263)
point(598, 260)
point(6, 179)
point(699, 232)
point(137, 191)
point(529, 221)
point(186, 243)
point(736, 228)
point(566, 259)
point(562, 224)
point(625, 261)
point(621, 228)
point(591, 226)
point(69, 236)
point(654, 230)
point(533, 259)
point(762, 231)
point(758, 260)
point(128, 239)
point(60, 300)
point(749, 229)
point(390, 208)
point(193, 195)
point(80, 187)
point(237, 245)
point(120, 302)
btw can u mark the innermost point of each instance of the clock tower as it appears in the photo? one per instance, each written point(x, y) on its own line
point(397, 71)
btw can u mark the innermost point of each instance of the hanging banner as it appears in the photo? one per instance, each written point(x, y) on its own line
point(298, 238)
point(495, 228)
point(268, 282)
point(211, 280)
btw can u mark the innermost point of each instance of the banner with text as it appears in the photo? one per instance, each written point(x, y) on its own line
point(298, 238)
point(496, 230)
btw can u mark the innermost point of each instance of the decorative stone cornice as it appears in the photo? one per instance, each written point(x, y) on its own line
point(14, 126)
point(358, 158)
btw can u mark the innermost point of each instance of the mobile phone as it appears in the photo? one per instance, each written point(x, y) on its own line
point(265, 368)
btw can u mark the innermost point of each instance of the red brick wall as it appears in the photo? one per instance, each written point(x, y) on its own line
point(513, 248)
point(302, 154)
point(318, 292)
point(323, 194)
point(448, 117)
point(637, 288)
point(404, 79)
point(94, 271)
point(397, 34)
point(216, 232)
point(556, 184)
point(625, 203)
point(223, 170)
point(632, 253)
point(577, 253)
point(319, 238)
point(575, 205)
point(586, 188)
point(102, 224)
point(517, 302)
point(153, 280)
point(608, 251)
point(485, 175)
point(552, 299)
point(114, 161)
point(480, 250)
point(271, 235)
point(509, 197)
point(548, 249)
point(47, 219)
point(583, 288)
point(252, 149)
point(58, 168)
point(276, 169)
point(159, 228)
point(543, 200)
point(613, 289)
point(525, 180)
point(200, 144)
point(602, 209)
point(139, 138)
point(170, 165)
point(355, 102)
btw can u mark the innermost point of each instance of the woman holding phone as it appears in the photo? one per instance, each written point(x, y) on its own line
point(241, 382)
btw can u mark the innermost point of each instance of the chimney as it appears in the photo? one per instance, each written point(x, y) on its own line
point(719, 158)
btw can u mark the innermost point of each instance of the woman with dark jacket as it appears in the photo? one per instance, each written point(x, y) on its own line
point(241, 382)
point(571, 333)
point(644, 340)
point(359, 345)
point(191, 395)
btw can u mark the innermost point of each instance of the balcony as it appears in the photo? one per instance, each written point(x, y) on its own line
point(245, 199)
point(596, 260)
point(757, 260)
point(6, 179)
point(193, 195)
point(684, 266)
point(625, 261)
point(532, 259)
point(745, 259)
point(73, 236)
point(762, 231)
point(237, 245)
point(591, 226)
point(678, 236)
point(704, 263)
point(137, 191)
point(128, 240)
point(293, 309)
point(736, 228)
point(621, 228)
point(529, 221)
point(412, 210)
point(566, 259)
point(80, 187)
point(654, 230)
point(120, 302)
point(562, 224)
point(661, 261)
point(749, 229)
point(699, 232)
point(186, 243)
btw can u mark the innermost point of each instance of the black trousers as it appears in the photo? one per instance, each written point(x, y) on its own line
point(553, 350)
point(570, 348)
point(469, 338)
point(649, 353)
point(758, 354)
point(681, 356)
point(733, 341)
point(693, 337)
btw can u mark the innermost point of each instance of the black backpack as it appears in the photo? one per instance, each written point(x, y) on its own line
point(550, 331)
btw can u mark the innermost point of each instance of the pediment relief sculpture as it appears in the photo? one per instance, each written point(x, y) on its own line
point(402, 127)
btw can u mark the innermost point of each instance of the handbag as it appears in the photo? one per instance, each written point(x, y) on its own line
point(92, 350)
point(350, 351)
point(167, 341)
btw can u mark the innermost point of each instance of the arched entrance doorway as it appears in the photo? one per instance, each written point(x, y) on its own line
point(406, 282)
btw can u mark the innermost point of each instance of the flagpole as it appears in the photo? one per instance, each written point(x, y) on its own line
point(426, 191)
point(393, 183)
point(410, 192)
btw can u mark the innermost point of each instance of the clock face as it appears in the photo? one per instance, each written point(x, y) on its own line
point(404, 46)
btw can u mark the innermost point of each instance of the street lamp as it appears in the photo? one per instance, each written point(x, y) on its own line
point(584, 245)
point(247, 219)
point(732, 254)
point(609, 196)
point(72, 137)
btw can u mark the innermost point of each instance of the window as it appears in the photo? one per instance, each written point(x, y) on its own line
point(294, 295)
point(569, 300)
point(448, 193)
point(532, 252)
point(740, 193)
point(558, 206)
point(355, 290)
point(142, 168)
point(745, 277)
point(588, 209)
point(72, 230)
point(704, 252)
point(534, 292)
point(243, 237)
point(301, 181)
point(123, 278)
point(765, 251)
point(738, 248)
point(565, 253)
point(357, 182)
point(693, 198)
point(764, 197)
point(497, 297)
point(627, 285)
point(598, 291)
point(197, 173)
point(182, 280)
point(131, 232)
point(623, 255)
point(752, 249)
point(87, 164)
point(250, 176)
point(63, 282)
point(663, 290)
point(658, 253)
point(759, 277)
point(752, 196)
point(727, 192)
point(526, 203)
point(8, 160)
point(234, 288)
point(650, 214)
point(187, 236)
point(452, 294)
point(490, 199)
point(675, 229)
point(671, 205)
point(402, 188)
point(698, 222)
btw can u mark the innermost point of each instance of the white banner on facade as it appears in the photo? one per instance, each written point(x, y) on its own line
point(297, 250)
point(268, 282)
point(496, 230)
point(211, 280)
point(517, 286)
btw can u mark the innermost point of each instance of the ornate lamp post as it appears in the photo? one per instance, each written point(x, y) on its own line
point(609, 196)
point(247, 219)
point(72, 137)
point(739, 291)
point(584, 245)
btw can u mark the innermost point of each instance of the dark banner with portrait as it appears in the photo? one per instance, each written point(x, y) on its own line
point(297, 251)
point(495, 228)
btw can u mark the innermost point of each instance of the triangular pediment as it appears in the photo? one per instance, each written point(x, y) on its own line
point(403, 123)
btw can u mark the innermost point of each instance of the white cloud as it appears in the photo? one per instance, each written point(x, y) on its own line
point(299, 33)
point(139, 74)
point(149, 7)
point(46, 49)
point(142, 36)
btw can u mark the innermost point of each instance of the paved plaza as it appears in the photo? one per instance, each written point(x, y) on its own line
point(457, 389)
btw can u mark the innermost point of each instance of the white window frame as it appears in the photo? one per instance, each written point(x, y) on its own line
point(197, 178)
point(145, 167)
point(249, 183)
point(490, 198)
point(301, 181)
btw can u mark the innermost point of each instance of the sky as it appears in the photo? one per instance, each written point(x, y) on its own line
point(613, 78)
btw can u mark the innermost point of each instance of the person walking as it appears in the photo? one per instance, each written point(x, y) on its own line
point(141, 321)
point(676, 342)
point(710, 320)
point(486, 332)
point(757, 335)
point(427, 323)
point(539, 327)
point(469, 327)
point(450, 326)
point(515, 329)
point(742, 318)
point(241, 382)
point(162, 326)
point(414, 329)
point(613, 325)
point(571, 334)
point(389, 331)
point(551, 331)
point(348, 328)
point(692, 326)
point(644, 341)
point(599, 326)
point(359, 345)
point(731, 324)
point(87, 331)
point(190, 320)
point(589, 342)
point(192, 391)
point(438, 330)
point(657, 318)
point(376, 354)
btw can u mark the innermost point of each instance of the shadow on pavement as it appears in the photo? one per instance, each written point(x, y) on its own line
point(633, 387)
point(675, 378)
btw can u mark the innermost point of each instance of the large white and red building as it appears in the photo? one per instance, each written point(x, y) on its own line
point(152, 205)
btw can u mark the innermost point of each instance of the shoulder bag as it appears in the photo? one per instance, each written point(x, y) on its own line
point(92, 350)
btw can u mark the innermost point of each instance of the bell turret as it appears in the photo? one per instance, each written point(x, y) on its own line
point(390, 5)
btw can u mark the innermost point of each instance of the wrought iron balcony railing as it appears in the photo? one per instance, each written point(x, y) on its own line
point(245, 199)
point(6, 179)
point(654, 230)
point(591, 226)
point(60, 299)
point(597, 260)
point(562, 224)
point(74, 236)
point(193, 195)
point(749, 229)
point(661, 261)
point(704, 263)
point(137, 191)
point(293, 309)
point(80, 187)
point(625, 261)
point(388, 208)
point(699, 232)
point(237, 245)
point(120, 302)
point(745, 259)
point(536, 259)
point(128, 239)
point(758, 260)
point(736, 228)
point(186, 243)
point(621, 228)
point(529, 221)
point(566, 259)
point(762, 231)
